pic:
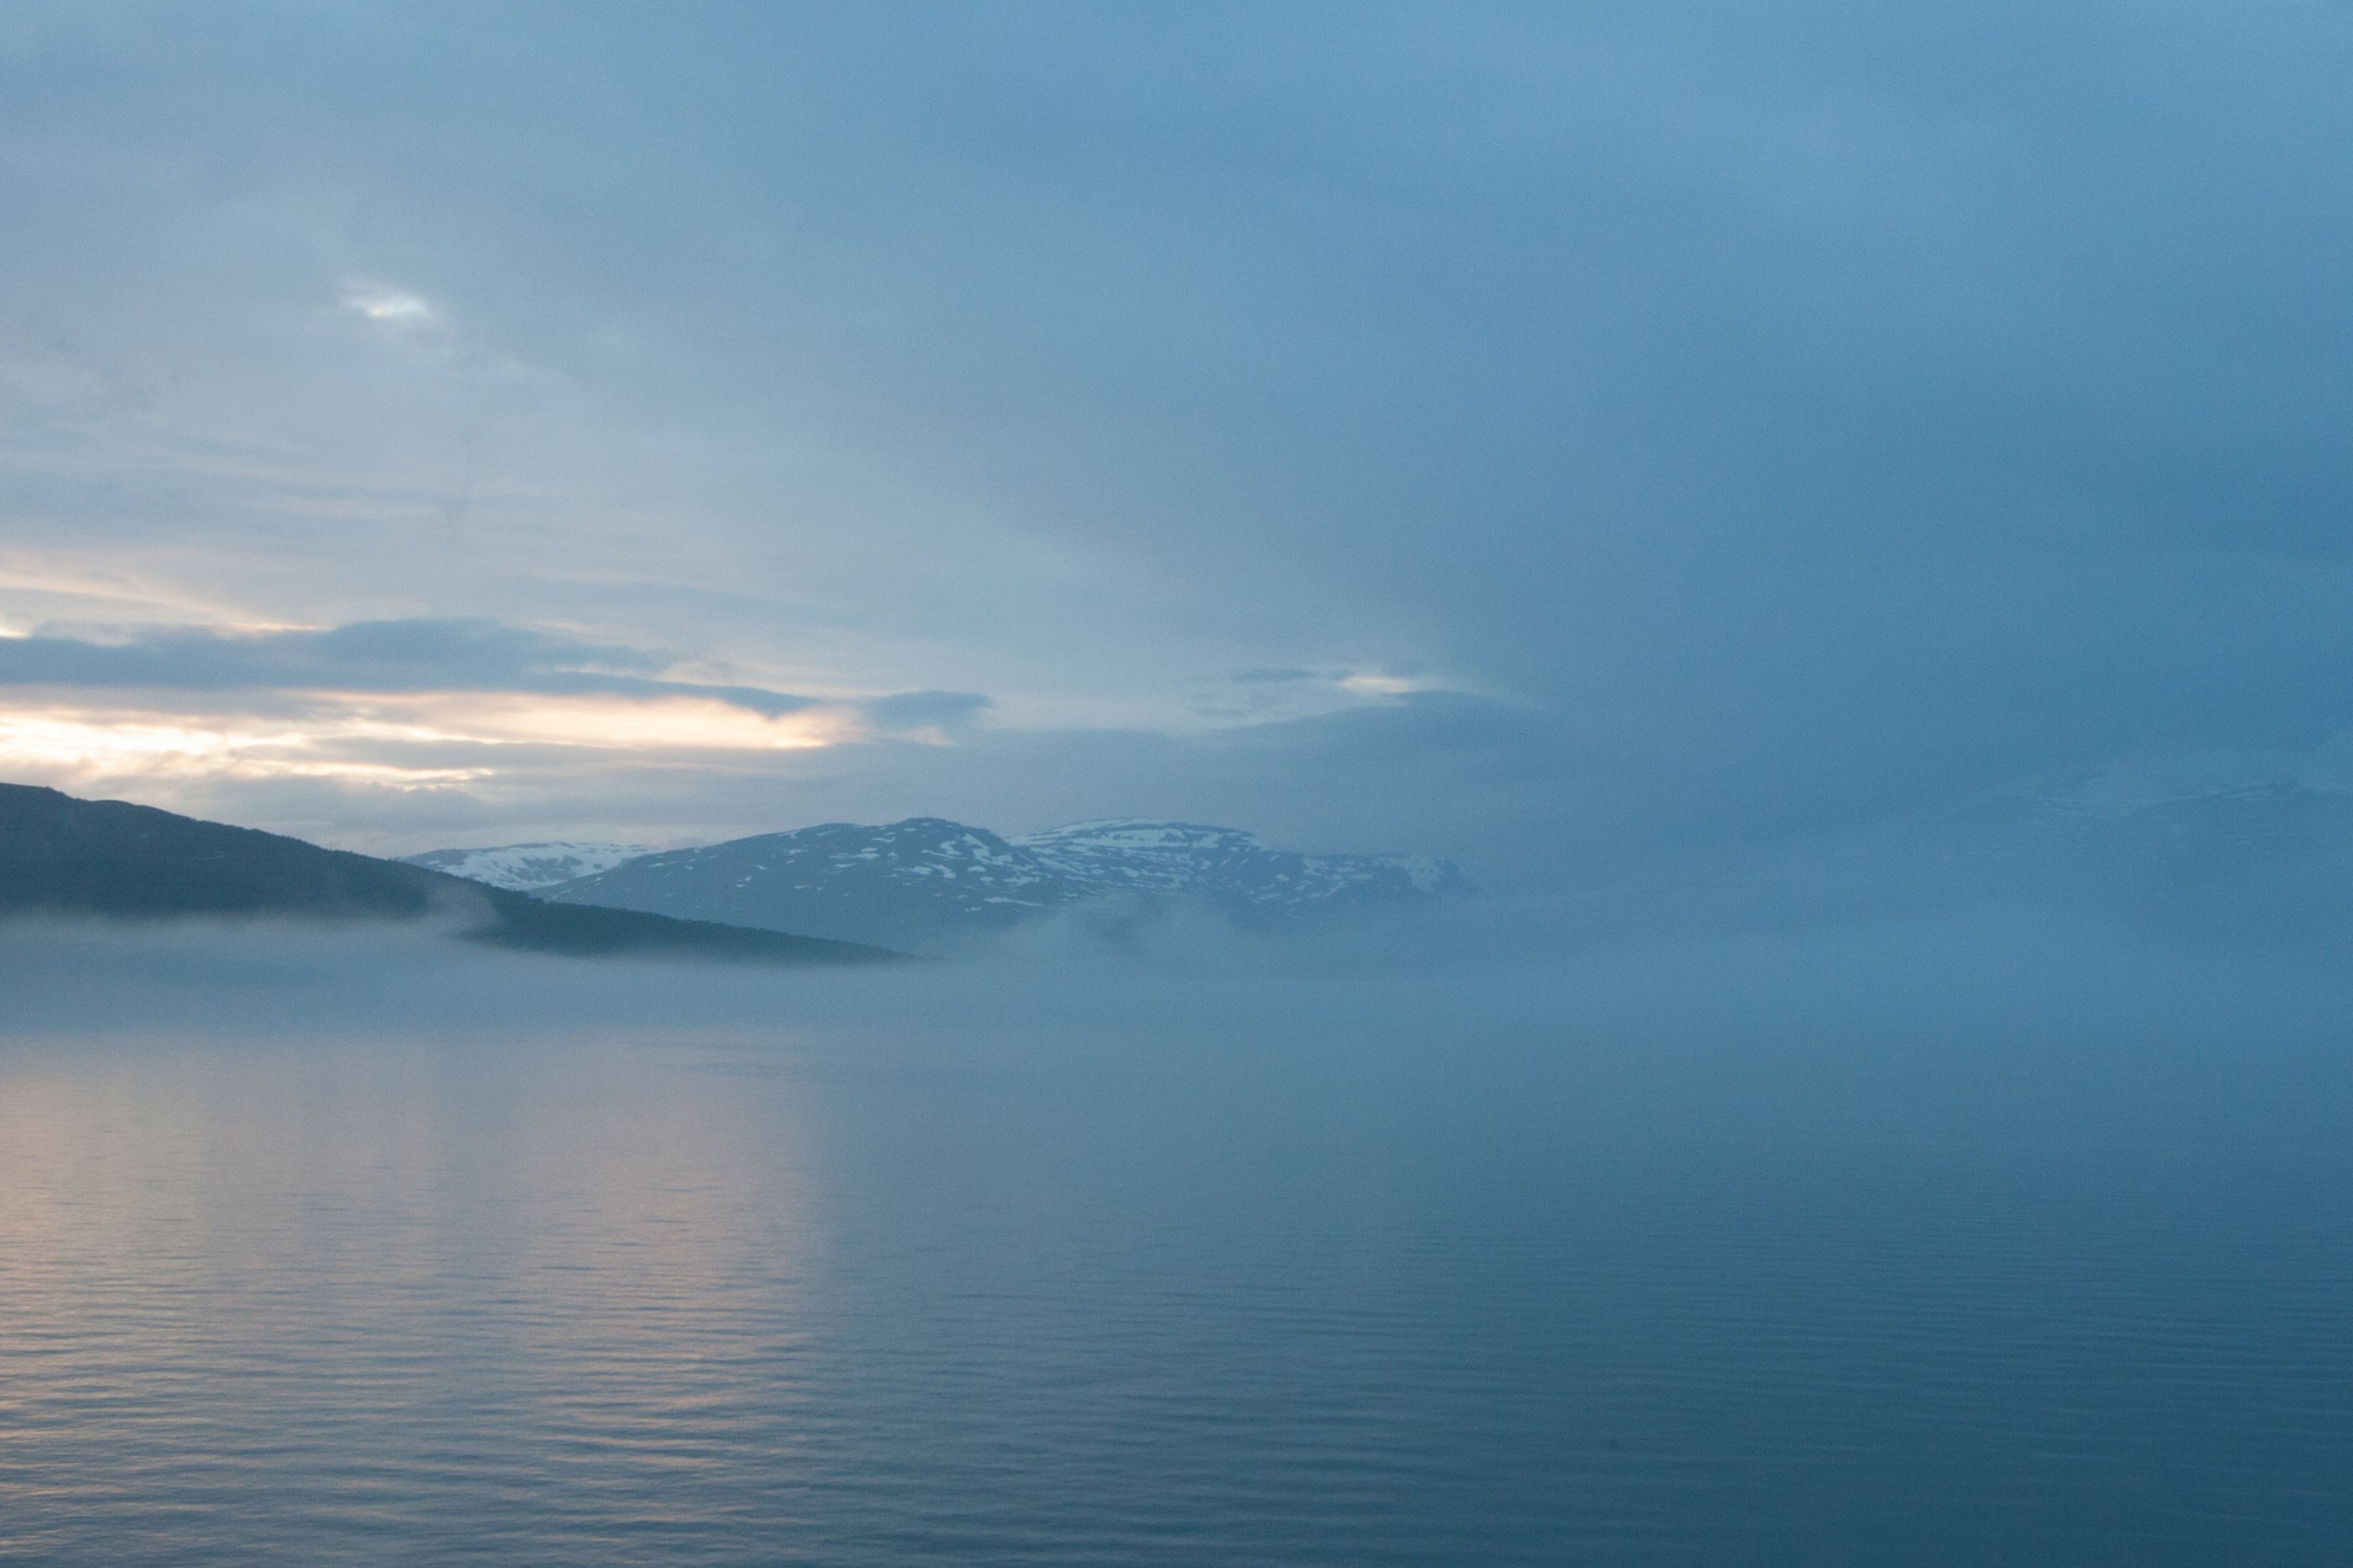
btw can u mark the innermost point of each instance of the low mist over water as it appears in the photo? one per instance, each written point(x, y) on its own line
point(1311, 786)
point(1986, 1240)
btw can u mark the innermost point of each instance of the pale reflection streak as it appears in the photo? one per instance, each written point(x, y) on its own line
point(213, 1258)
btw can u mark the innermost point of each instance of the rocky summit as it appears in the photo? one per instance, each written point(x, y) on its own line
point(931, 885)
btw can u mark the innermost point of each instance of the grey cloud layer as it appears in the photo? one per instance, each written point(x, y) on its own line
point(372, 656)
point(416, 656)
point(1795, 412)
point(918, 709)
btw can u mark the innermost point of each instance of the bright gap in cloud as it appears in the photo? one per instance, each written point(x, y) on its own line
point(1371, 685)
point(612, 722)
point(394, 307)
point(362, 738)
point(75, 748)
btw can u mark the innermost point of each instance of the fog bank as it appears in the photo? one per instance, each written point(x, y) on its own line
point(2002, 1028)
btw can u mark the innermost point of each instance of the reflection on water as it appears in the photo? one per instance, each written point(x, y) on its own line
point(1375, 1292)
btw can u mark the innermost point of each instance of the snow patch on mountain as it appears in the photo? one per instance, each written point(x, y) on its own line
point(1225, 865)
point(528, 867)
point(963, 866)
point(931, 885)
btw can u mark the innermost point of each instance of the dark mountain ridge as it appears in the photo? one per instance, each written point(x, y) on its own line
point(111, 859)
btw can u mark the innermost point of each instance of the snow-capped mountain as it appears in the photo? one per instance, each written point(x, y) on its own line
point(528, 867)
point(922, 884)
point(1180, 859)
point(929, 884)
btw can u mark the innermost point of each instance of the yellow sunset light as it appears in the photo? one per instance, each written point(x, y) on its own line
point(52, 745)
point(87, 744)
point(613, 722)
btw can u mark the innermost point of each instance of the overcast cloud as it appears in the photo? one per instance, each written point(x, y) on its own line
point(1410, 427)
point(372, 656)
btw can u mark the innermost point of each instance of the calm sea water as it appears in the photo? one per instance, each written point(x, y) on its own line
point(1334, 1275)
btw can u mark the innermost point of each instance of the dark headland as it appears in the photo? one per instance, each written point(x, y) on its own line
point(63, 857)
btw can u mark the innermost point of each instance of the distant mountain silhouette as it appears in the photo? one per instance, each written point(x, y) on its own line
point(929, 884)
point(61, 855)
point(2258, 857)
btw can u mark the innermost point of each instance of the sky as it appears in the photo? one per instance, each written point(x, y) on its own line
point(1521, 433)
